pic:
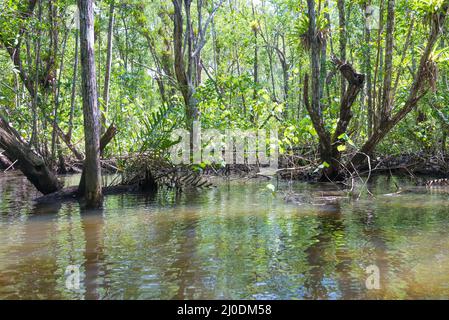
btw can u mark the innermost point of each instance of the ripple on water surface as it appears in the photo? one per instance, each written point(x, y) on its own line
point(233, 241)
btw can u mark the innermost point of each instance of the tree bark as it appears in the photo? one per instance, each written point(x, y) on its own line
point(314, 107)
point(367, 67)
point(188, 73)
point(91, 189)
point(343, 40)
point(73, 94)
point(31, 165)
point(107, 76)
point(256, 55)
point(388, 73)
point(4, 161)
point(329, 143)
point(184, 83)
point(422, 82)
point(34, 91)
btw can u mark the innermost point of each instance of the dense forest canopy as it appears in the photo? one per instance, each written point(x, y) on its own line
point(342, 81)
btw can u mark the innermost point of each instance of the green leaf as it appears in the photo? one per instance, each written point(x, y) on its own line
point(343, 136)
point(341, 148)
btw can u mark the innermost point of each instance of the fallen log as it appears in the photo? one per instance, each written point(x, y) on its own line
point(72, 193)
point(31, 164)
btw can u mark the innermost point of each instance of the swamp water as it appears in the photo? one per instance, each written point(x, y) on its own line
point(234, 241)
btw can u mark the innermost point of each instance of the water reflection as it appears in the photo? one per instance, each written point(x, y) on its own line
point(94, 257)
point(233, 241)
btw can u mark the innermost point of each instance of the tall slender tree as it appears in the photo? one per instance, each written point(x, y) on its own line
point(90, 185)
point(107, 75)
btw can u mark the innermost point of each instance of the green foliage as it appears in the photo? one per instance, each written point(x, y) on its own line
point(239, 42)
point(156, 130)
point(427, 6)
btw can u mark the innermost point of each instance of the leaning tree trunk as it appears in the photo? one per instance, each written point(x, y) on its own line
point(4, 161)
point(31, 165)
point(90, 188)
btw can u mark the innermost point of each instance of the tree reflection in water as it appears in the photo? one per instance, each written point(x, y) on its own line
point(234, 241)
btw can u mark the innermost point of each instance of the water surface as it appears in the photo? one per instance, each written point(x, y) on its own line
point(235, 241)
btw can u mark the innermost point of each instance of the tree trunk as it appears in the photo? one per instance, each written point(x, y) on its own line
point(34, 90)
point(421, 84)
point(367, 67)
point(285, 75)
point(31, 165)
point(185, 85)
point(189, 44)
point(378, 69)
point(314, 108)
point(329, 143)
point(104, 141)
point(343, 40)
point(73, 95)
point(4, 161)
point(256, 55)
point(91, 189)
point(386, 95)
point(107, 76)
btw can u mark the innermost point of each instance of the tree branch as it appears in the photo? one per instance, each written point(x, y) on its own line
point(202, 31)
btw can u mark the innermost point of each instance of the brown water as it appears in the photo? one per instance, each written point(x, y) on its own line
point(236, 241)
